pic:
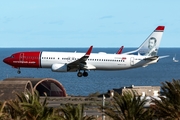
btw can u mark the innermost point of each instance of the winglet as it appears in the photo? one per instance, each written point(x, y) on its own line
point(89, 51)
point(120, 50)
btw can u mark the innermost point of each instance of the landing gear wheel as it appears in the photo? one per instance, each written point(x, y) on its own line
point(85, 74)
point(79, 74)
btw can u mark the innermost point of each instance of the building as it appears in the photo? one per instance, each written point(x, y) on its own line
point(10, 86)
point(141, 90)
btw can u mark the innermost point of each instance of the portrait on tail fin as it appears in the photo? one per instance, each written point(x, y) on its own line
point(152, 46)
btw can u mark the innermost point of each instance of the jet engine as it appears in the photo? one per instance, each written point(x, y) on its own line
point(59, 67)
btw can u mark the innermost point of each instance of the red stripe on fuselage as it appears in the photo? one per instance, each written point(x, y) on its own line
point(26, 59)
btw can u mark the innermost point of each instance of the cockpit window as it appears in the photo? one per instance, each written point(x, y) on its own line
point(12, 56)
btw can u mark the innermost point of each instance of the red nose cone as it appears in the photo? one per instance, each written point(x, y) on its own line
point(5, 60)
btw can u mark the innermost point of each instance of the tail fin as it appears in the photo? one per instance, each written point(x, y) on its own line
point(151, 45)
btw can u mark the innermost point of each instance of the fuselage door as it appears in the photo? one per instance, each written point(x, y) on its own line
point(21, 57)
point(132, 61)
point(69, 59)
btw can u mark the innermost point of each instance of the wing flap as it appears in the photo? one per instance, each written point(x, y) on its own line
point(89, 66)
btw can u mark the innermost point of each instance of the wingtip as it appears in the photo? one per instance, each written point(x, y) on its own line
point(120, 50)
point(89, 50)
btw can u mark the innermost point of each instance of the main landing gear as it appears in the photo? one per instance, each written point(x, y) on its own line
point(80, 74)
point(19, 71)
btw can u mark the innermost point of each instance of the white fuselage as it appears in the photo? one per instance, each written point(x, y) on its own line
point(99, 61)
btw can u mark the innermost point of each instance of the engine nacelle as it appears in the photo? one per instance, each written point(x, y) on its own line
point(59, 67)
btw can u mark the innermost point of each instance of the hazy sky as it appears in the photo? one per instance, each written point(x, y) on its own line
point(82, 23)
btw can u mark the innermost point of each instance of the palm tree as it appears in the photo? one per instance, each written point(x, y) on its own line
point(168, 107)
point(15, 110)
point(3, 113)
point(74, 112)
point(34, 108)
point(29, 107)
point(128, 106)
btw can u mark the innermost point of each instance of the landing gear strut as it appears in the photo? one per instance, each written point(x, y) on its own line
point(19, 71)
point(80, 74)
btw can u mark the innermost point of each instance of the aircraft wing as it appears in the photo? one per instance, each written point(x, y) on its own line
point(81, 62)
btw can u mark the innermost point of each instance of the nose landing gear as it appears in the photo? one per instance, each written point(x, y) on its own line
point(19, 71)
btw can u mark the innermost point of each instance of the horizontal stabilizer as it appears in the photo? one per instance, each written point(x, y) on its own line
point(163, 56)
point(152, 58)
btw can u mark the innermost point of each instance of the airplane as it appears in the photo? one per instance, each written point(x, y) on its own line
point(145, 55)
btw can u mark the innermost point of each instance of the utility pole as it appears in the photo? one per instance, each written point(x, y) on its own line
point(103, 104)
